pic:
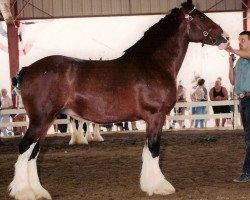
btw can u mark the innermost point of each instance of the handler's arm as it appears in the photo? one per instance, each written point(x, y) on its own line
point(242, 53)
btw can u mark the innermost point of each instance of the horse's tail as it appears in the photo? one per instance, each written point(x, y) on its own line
point(17, 80)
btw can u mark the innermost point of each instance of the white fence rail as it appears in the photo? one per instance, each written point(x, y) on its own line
point(234, 115)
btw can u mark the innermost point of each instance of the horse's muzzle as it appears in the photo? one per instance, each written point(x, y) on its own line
point(220, 39)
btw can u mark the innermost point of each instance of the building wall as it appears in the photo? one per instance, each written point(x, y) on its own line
point(80, 8)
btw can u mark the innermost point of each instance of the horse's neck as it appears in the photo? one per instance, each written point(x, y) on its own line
point(173, 52)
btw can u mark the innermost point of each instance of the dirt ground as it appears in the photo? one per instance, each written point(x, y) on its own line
point(200, 164)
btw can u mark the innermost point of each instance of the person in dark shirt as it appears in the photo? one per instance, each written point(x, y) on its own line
point(219, 93)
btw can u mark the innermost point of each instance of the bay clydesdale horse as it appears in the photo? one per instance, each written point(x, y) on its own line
point(139, 85)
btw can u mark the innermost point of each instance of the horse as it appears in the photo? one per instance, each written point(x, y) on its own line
point(139, 85)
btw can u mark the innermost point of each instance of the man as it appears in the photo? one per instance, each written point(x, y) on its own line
point(6, 103)
point(239, 76)
point(219, 93)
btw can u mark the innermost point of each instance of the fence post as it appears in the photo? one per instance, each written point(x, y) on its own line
point(236, 115)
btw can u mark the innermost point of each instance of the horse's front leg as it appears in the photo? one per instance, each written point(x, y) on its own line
point(152, 180)
point(26, 184)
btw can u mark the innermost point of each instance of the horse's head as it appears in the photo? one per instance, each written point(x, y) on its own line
point(202, 29)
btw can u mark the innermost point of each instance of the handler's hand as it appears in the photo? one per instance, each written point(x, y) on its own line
point(231, 59)
point(229, 49)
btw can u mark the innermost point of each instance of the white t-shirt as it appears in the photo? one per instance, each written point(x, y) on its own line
point(199, 93)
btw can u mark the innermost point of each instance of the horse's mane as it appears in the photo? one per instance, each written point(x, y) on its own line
point(155, 36)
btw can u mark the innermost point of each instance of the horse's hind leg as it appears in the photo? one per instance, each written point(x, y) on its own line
point(97, 135)
point(88, 135)
point(80, 139)
point(26, 184)
point(152, 180)
point(77, 134)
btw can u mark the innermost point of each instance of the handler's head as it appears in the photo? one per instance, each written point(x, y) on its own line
point(244, 40)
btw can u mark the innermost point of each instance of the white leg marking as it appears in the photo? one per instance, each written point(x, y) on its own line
point(88, 136)
point(39, 191)
point(152, 180)
point(73, 134)
point(80, 139)
point(97, 135)
point(20, 188)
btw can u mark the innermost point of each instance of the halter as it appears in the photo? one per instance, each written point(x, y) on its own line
point(189, 18)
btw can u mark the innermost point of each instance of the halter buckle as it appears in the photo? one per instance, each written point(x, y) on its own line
point(205, 33)
point(188, 17)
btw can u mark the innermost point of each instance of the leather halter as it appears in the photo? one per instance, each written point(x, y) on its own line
point(205, 33)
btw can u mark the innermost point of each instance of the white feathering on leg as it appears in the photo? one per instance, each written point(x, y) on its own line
point(80, 139)
point(152, 180)
point(73, 134)
point(20, 188)
point(39, 191)
point(88, 136)
point(97, 135)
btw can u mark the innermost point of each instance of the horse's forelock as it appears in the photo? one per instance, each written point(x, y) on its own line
point(187, 5)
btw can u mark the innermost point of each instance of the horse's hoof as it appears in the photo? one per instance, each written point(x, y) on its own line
point(82, 143)
point(164, 188)
point(25, 194)
point(90, 139)
point(72, 142)
point(41, 193)
point(98, 139)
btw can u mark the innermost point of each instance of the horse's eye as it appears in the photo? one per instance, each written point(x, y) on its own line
point(203, 17)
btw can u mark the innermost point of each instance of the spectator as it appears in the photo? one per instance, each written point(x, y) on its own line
point(19, 117)
point(194, 86)
point(119, 126)
point(125, 126)
point(200, 94)
point(62, 127)
point(6, 103)
point(181, 97)
point(133, 126)
point(108, 126)
point(219, 93)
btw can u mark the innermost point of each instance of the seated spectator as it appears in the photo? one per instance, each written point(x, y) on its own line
point(219, 93)
point(6, 103)
point(119, 126)
point(200, 94)
point(19, 117)
point(62, 127)
point(133, 126)
point(108, 126)
point(181, 97)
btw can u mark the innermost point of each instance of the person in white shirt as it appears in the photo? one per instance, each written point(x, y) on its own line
point(200, 94)
point(6, 103)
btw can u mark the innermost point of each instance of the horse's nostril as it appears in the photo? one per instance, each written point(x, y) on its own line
point(227, 38)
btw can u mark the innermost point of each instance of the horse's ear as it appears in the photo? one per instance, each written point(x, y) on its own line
point(189, 2)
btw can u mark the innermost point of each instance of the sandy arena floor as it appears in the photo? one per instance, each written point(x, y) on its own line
point(200, 164)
